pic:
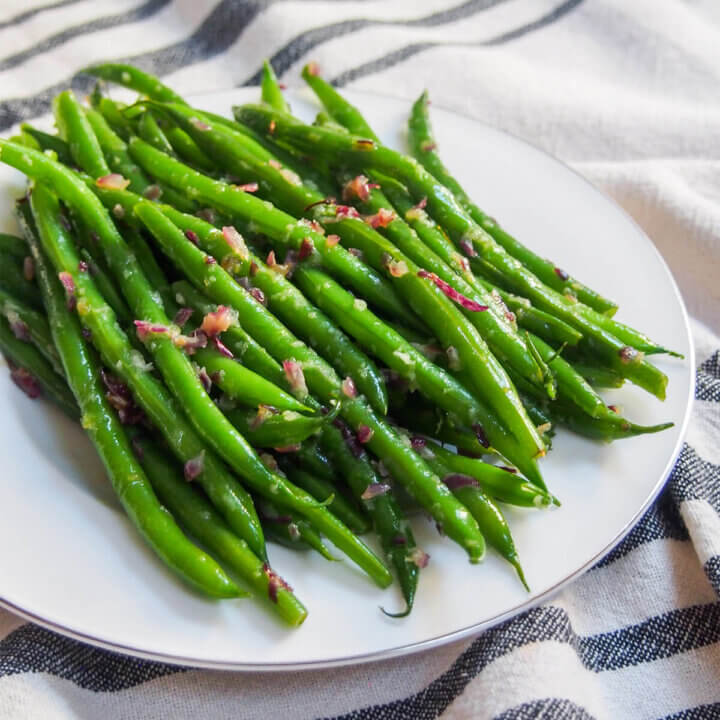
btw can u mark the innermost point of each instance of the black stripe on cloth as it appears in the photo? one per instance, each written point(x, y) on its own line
point(695, 479)
point(707, 386)
point(306, 41)
point(32, 649)
point(658, 637)
point(701, 712)
point(549, 708)
point(401, 54)
point(98, 24)
point(214, 35)
point(712, 570)
point(23, 16)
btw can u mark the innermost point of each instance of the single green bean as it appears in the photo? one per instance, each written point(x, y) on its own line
point(270, 89)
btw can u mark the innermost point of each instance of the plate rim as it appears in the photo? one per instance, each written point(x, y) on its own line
point(476, 628)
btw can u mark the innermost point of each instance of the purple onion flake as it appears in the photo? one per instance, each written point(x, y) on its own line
point(26, 382)
point(205, 379)
point(417, 443)
point(419, 557)
point(191, 235)
point(182, 316)
point(561, 274)
point(480, 435)
point(20, 330)
point(374, 490)
point(455, 481)
point(221, 348)
point(194, 466)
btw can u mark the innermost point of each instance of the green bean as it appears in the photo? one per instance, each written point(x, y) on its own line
point(30, 325)
point(244, 385)
point(289, 304)
point(46, 141)
point(13, 280)
point(290, 530)
point(13, 245)
point(278, 225)
point(75, 129)
point(115, 152)
point(126, 475)
point(597, 376)
point(32, 368)
point(266, 427)
point(243, 346)
point(271, 92)
point(321, 379)
point(150, 131)
point(389, 522)
point(322, 490)
point(501, 484)
point(423, 147)
point(132, 77)
point(119, 354)
point(404, 359)
point(201, 519)
point(464, 231)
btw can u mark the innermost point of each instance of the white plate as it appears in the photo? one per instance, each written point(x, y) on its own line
point(70, 560)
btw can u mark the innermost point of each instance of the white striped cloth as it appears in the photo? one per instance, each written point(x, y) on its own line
point(628, 93)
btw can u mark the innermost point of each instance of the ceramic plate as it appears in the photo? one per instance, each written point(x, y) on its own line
point(70, 560)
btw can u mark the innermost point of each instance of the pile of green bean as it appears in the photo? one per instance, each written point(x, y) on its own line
point(275, 330)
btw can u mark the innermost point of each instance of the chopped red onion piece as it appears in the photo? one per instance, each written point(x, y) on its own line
point(296, 377)
point(454, 481)
point(359, 187)
point(561, 274)
point(86, 333)
point(364, 434)
point(355, 252)
point(419, 557)
point(210, 260)
point(374, 490)
point(467, 247)
point(313, 68)
point(145, 328)
point(217, 322)
point(204, 378)
point(332, 240)
point(453, 357)
point(613, 408)
point(198, 124)
point(19, 327)
point(119, 396)
point(293, 531)
point(287, 448)
point(508, 469)
point(152, 192)
point(29, 268)
point(306, 249)
point(480, 435)
point(258, 294)
point(194, 341)
point(382, 218)
point(192, 236)
point(118, 211)
point(427, 145)
point(397, 268)
point(247, 187)
point(399, 540)
point(348, 388)
point(68, 283)
point(182, 316)
point(274, 163)
point(222, 348)
point(207, 214)
point(418, 443)
point(113, 181)
point(628, 354)
point(452, 293)
point(263, 413)
point(275, 583)
point(83, 266)
point(194, 467)
point(364, 144)
point(274, 265)
point(25, 381)
point(253, 268)
point(236, 241)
